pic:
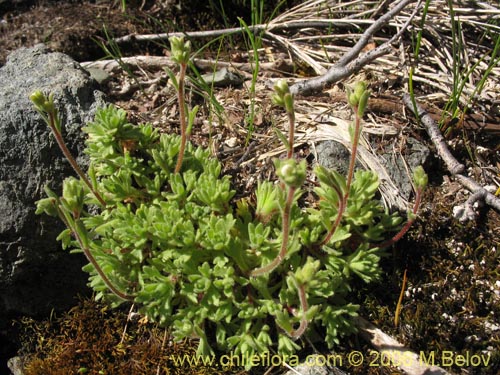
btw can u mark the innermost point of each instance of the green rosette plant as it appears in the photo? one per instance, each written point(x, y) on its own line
point(241, 278)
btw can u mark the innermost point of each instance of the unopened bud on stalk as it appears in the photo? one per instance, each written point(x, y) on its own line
point(181, 49)
point(363, 101)
point(291, 172)
point(358, 97)
point(360, 88)
point(420, 177)
point(38, 98)
point(283, 97)
point(43, 103)
point(73, 195)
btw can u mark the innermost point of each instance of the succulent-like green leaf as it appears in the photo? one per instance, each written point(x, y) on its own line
point(186, 251)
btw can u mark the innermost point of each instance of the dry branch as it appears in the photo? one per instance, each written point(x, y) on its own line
point(156, 62)
point(272, 26)
point(452, 164)
point(301, 30)
point(454, 167)
point(308, 16)
point(352, 62)
point(160, 62)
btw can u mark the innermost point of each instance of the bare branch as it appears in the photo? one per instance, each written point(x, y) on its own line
point(452, 164)
point(454, 167)
point(376, 26)
point(189, 34)
point(160, 62)
point(350, 62)
point(489, 198)
point(467, 211)
point(287, 25)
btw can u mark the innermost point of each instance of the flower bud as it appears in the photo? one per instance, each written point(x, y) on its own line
point(73, 195)
point(277, 100)
point(282, 96)
point(291, 172)
point(420, 177)
point(358, 97)
point(180, 49)
point(359, 89)
point(38, 98)
point(281, 87)
point(49, 106)
point(47, 206)
point(352, 99)
point(43, 103)
point(363, 101)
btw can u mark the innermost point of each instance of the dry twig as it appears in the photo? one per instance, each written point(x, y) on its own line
point(276, 26)
point(352, 61)
point(436, 137)
point(452, 164)
point(160, 62)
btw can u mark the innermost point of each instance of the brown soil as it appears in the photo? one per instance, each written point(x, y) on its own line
point(452, 299)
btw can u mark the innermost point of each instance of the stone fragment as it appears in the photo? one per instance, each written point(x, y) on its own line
point(36, 275)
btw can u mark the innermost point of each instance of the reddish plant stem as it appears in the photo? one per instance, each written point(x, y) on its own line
point(93, 261)
point(295, 334)
point(344, 197)
point(406, 227)
point(352, 162)
point(182, 115)
point(71, 159)
point(333, 229)
point(284, 243)
point(291, 131)
point(101, 273)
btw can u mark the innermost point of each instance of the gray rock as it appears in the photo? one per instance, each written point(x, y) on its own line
point(223, 78)
point(413, 154)
point(334, 155)
point(100, 75)
point(36, 275)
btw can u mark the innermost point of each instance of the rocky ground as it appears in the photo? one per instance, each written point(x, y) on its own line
point(452, 297)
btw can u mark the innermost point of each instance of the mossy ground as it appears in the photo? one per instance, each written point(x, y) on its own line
point(91, 338)
point(451, 301)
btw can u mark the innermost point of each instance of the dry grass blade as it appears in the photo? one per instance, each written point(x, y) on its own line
point(343, 21)
point(479, 27)
point(332, 27)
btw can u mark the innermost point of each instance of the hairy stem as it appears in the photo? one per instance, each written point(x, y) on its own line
point(291, 131)
point(92, 260)
point(295, 334)
point(182, 115)
point(343, 198)
point(71, 159)
point(352, 162)
point(333, 229)
point(101, 273)
point(284, 243)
